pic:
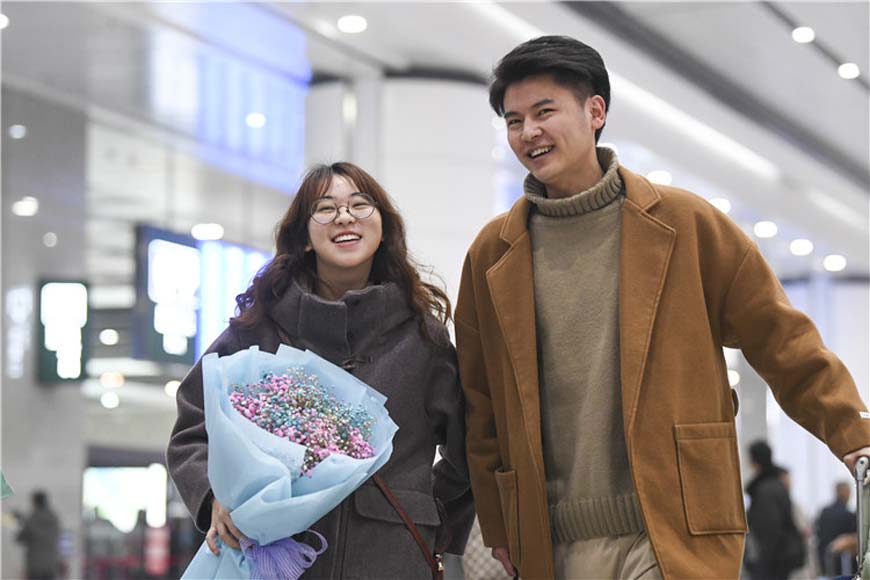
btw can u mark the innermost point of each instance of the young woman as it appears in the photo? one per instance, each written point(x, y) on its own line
point(342, 285)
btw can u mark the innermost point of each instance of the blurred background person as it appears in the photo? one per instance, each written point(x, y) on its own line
point(40, 535)
point(774, 547)
point(835, 520)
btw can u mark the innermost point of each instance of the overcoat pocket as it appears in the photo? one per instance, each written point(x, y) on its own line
point(507, 495)
point(710, 478)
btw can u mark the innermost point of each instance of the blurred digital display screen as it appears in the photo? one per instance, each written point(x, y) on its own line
point(63, 317)
point(185, 292)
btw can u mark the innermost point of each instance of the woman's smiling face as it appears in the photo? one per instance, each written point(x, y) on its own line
point(346, 246)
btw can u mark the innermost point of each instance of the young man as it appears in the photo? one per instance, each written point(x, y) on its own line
point(590, 326)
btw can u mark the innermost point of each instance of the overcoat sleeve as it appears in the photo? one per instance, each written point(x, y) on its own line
point(187, 454)
point(446, 409)
point(482, 446)
point(783, 345)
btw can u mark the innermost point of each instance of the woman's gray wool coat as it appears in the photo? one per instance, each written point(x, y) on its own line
point(376, 336)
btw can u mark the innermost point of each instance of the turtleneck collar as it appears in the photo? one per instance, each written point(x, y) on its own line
point(337, 329)
point(608, 189)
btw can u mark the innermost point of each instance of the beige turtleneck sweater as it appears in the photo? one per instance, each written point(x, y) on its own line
point(575, 252)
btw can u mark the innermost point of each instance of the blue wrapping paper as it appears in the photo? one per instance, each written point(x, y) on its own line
point(257, 475)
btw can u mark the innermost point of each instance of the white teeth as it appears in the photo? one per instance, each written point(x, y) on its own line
point(346, 238)
point(540, 151)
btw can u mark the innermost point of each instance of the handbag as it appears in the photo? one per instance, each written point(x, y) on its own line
point(434, 560)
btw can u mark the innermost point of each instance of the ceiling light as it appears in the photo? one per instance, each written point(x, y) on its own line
point(721, 204)
point(834, 263)
point(733, 378)
point(207, 232)
point(497, 153)
point(109, 336)
point(324, 28)
point(497, 123)
point(17, 131)
point(112, 380)
point(255, 120)
point(26, 207)
point(110, 400)
point(4, 21)
point(848, 70)
point(660, 176)
point(765, 229)
point(352, 24)
point(801, 247)
point(700, 132)
point(803, 34)
point(49, 239)
point(171, 388)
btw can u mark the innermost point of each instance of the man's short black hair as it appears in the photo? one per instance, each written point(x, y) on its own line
point(571, 64)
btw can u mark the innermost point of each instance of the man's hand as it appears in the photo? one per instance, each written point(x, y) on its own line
point(503, 555)
point(845, 543)
point(222, 525)
point(851, 459)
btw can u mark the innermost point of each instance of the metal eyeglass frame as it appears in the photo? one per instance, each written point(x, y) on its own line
point(367, 197)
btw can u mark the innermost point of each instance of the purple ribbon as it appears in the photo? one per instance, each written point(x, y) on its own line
point(284, 559)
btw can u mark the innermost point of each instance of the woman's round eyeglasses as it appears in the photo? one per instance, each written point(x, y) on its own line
point(360, 206)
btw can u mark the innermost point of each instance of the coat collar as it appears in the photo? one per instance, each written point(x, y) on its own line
point(637, 190)
point(646, 245)
point(341, 328)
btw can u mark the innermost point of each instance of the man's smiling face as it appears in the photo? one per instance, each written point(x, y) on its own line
point(550, 130)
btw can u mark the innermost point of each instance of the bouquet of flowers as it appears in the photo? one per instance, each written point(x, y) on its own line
point(290, 435)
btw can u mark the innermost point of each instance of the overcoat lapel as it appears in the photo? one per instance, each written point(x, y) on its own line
point(645, 251)
point(511, 285)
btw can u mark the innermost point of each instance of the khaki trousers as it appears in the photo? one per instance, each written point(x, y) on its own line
point(628, 557)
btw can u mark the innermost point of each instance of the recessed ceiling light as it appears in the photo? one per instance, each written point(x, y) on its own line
point(171, 388)
point(109, 336)
point(112, 380)
point(207, 232)
point(834, 263)
point(26, 207)
point(17, 131)
point(801, 247)
point(765, 229)
point(256, 120)
point(848, 70)
point(733, 377)
point(49, 240)
point(352, 24)
point(803, 34)
point(4, 21)
point(497, 123)
point(497, 153)
point(110, 400)
point(660, 176)
point(721, 204)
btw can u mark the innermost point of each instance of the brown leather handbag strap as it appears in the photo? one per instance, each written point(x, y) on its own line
point(433, 561)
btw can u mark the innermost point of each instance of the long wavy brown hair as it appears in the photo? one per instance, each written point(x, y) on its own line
point(391, 261)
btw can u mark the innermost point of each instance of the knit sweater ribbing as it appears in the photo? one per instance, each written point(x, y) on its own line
point(575, 249)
